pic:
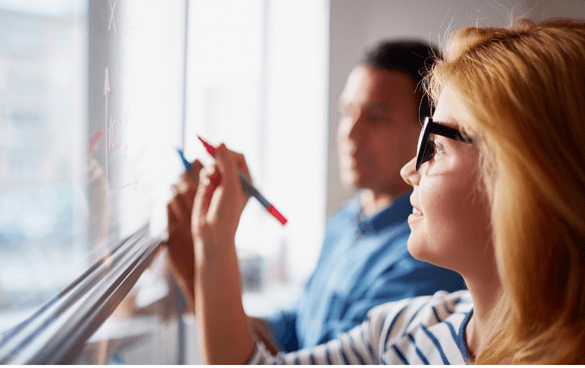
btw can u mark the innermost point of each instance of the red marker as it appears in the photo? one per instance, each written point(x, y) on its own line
point(249, 188)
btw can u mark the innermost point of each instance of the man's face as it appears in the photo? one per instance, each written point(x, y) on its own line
point(378, 129)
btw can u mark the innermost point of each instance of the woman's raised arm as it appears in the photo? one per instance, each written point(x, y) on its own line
point(224, 331)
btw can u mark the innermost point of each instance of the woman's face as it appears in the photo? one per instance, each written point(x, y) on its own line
point(450, 219)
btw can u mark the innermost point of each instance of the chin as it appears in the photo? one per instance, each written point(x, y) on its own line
point(351, 181)
point(414, 248)
point(418, 248)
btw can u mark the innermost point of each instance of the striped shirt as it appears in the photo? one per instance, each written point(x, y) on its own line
point(422, 330)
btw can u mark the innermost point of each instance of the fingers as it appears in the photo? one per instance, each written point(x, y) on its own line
point(191, 177)
point(183, 194)
point(224, 173)
point(209, 180)
point(172, 214)
point(227, 165)
point(219, 203)
point(189, 180)
point(230, 162)
point(175, 212)
point(181, 205)
point(242, 166)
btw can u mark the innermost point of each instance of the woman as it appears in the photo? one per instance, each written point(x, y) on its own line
point(498, 197)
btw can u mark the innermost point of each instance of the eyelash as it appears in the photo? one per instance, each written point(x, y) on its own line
point(436, 147)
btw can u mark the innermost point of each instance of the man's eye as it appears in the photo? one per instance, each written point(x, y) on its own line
point(374, 118)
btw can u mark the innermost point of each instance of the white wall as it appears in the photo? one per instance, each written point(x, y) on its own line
point(359, 25)
point(542, 9)
point(296, 112)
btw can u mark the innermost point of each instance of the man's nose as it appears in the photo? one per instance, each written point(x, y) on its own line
point(356, 126)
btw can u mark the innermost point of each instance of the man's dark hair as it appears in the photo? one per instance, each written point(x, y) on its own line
point(412, 57)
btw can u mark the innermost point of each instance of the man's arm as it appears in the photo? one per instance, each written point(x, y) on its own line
point(263, 331)
point(283, 326)
point(180, 244)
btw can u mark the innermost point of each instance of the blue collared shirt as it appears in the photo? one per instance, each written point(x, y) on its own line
point(364, 262)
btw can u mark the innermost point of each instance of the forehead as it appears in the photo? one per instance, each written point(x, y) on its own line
point(450, 111)
point(378, 86)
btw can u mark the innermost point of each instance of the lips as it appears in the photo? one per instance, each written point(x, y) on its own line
point(415, 216)
point(352, 160)
point(416, 213)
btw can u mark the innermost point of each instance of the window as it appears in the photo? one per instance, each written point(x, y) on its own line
point(43, 206)
point(92, 108)
point(257, 81)
point(96, 97)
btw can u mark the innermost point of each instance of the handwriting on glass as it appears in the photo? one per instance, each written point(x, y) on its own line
point(114, 136)
point(115, 129)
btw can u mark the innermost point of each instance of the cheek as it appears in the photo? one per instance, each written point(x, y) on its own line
point(454, 219)
point(394, 150)
point(399, 144)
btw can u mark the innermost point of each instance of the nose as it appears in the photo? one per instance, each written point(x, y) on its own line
point(351, 125)
point(408, 174)
point(356, 126)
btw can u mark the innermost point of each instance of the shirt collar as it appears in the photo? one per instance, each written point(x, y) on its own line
point(397, 212)
point(461, 340)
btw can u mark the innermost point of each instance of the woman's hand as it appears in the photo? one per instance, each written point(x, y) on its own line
point(219, 203)
point(225, 336)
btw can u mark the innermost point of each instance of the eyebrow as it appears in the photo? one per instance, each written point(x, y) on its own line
point(375, 105)
point(450, 123)
point(380, 105)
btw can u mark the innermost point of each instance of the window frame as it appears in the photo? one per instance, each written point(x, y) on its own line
point(57, 332)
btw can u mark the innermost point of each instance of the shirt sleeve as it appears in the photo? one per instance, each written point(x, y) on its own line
point(284, 329)
point(364, 344)
point(284, 323)
point(358, 346)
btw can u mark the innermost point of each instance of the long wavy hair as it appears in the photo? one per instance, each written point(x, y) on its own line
point(524, 86)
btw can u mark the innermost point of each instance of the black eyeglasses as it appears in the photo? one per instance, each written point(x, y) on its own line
point(425, 149)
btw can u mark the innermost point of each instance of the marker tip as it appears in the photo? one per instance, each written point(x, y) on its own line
point(274, 212)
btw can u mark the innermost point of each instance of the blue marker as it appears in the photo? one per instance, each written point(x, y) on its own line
point(185, 162)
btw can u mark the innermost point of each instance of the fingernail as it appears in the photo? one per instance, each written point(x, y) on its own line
point(209, 170)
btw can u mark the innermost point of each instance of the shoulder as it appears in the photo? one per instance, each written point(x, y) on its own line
point(429, 323)
point(343, 219)
point(422, 308)
point(348, 209)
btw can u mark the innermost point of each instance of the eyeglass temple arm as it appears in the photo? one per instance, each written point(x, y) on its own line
point(449, 132)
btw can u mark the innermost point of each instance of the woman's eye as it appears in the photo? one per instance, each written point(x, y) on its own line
point(438, 148)
point(435, 148)
point(432, 147)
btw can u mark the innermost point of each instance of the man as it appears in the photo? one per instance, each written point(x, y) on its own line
point(364, 260)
